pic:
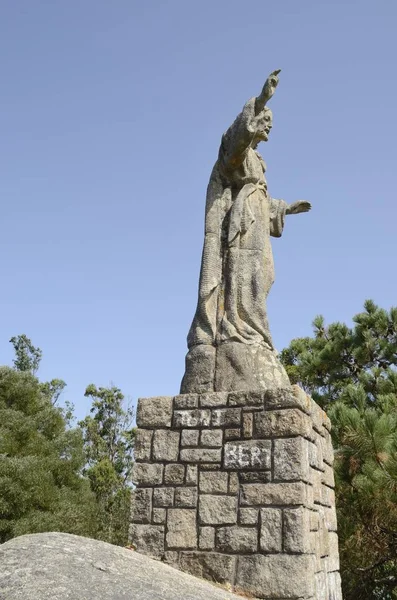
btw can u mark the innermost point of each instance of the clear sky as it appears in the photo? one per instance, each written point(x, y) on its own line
point(111, 116)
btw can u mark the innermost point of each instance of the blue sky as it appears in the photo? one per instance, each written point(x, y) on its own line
point(111, 116)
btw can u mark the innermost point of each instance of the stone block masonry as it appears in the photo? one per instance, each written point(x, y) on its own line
point(238, 488)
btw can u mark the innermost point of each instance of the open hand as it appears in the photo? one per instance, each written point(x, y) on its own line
point(301, 206)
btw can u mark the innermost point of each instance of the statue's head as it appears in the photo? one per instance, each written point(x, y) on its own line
point(264, 125)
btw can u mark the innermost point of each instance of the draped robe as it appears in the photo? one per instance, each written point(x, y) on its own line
point(237, 269)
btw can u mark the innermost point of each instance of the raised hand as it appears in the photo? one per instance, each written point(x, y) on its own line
point(270, 85)
point(301, 206)
point(267, 91)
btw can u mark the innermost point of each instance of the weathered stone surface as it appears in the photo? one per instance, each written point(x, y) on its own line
point(212, 438)
point(163, 497)
point(330, 518)
point(232, 434)
point(254, 476)
point(333, 552)
point(316, 455)
point(186, 497)
point(201, 455)
point(186, 401)
point(247, 367)
point(309, 494)
point(199, 370)
point(315, 480)
point(327, 422)
point(216, 399)
point(257, 494)
point(143, 442)
point(237, 539)
point(192, 418)
point(229, 342)
point(217, 510)
point(276, 575)
point(327, 449)
point(234, 484)
point(190, 437)
point(319, 419)
point(191, 475)
point(319, 441)
point(226, 417)
point(248, 516)
point(334, 586)
point(296, 530)
point(247, 497)
point(248, 454)
point(246, 399)
point(166, 445)
point(321, 585)
point(154, 412)
point(207, 538)
point(281, 423)
point(148, 539)
point(320, 561)
point(327, 496)
point(291, 459)
point(147, 473)
point(141, 505)
point(171, 557)
point(159, 516)
point(303, 400)
point(248, 425)
point(322, 538)
point(314, 520)
point(328, 477)
point(287, 397)
point(60, 566)
point(271, 535)
point(174, 474)
point(212, 482)
point(209, 565)
point(181, 528)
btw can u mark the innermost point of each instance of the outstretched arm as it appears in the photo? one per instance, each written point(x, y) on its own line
point(267, 91)
point(278, 210)
point(301, 206)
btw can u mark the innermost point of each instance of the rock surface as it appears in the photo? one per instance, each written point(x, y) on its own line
point(59, 566)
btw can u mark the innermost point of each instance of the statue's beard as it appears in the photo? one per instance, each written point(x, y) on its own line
point(260, 138)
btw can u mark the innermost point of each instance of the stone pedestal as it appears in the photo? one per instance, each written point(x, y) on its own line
point(238, 487)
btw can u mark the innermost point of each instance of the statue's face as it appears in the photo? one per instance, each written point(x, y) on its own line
point(265, 123)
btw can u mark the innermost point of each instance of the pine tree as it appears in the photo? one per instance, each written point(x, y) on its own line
point(351, 372)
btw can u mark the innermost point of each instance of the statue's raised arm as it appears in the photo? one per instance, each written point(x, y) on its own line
point(267, 91)
point(230, 346)
point(251, 126)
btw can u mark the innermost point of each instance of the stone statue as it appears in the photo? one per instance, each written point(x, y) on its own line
point(230, 346)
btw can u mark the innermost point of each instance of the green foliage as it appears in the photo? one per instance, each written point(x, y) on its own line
point(40, 463)
point(54, 476)
point(337, 356)
point(27, 356)
point(53, 389)
point(109, 442)
point(351, 372)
